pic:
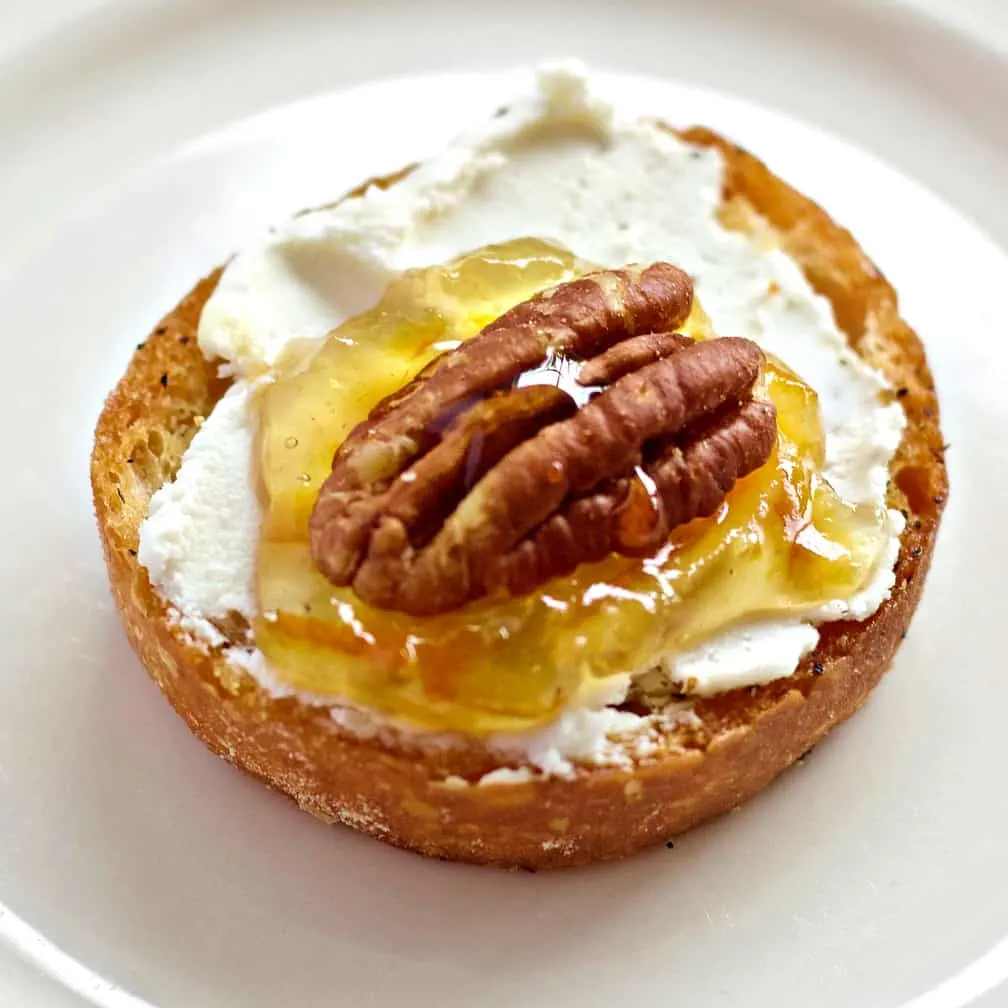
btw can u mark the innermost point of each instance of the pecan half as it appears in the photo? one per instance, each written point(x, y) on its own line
point(470, 480)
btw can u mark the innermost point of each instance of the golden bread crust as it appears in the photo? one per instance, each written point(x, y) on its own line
point(398, 792)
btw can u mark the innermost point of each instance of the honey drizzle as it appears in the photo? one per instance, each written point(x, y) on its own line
point(782, 542)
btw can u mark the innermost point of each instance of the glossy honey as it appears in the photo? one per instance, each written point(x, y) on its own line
point(782, 542)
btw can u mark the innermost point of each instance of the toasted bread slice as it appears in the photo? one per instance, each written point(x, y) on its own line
point(413, 796)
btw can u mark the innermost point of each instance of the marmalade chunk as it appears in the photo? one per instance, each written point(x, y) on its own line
point(783, 541)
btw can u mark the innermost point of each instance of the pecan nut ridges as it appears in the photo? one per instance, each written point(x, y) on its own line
point(462, 484)
point(578, 319)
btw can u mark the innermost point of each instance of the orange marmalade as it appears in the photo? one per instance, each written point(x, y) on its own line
point(783, 541)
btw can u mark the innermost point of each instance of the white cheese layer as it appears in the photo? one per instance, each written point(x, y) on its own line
point(200, 538)
point(561, 164)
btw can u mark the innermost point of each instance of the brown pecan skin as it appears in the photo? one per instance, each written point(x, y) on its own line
point(568, 459)
point(579, 319)
point(631, 354)
point(459, 486)
point(635, 515)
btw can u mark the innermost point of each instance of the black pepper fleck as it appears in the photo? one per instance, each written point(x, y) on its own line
point(918, 525)
point(817, 668)
point(183, 340)
point(669, 844)
point(140, 346)
point(939, 498)
point(902, 392)
point(132, 552)
point(916, 551)
point(119, 493)
point(161, 330)
point(946, 446)
point(164, 380)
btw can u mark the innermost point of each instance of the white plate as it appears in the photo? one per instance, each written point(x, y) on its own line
point(872, 875)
